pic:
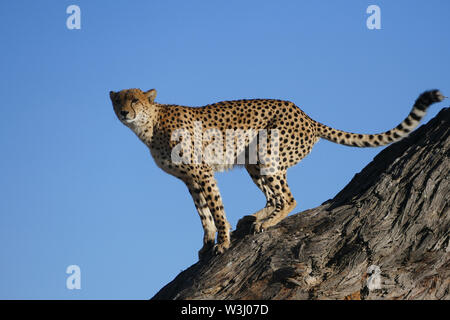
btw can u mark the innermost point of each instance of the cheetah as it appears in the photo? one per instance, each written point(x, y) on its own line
point(290, 131)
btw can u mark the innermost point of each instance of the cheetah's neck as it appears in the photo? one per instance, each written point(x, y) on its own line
point(145, 126)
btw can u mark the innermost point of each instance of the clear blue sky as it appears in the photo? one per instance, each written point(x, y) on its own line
point(78, 187)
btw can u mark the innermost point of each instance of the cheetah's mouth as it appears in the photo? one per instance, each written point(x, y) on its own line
point(127, 118)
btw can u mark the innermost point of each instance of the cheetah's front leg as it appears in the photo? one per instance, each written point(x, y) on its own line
point(213, 199)
point(209, 205)
point(206, 218)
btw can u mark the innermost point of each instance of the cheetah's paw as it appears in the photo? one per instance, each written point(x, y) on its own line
point(258, 227)
point(206, 251)
point(221, 248)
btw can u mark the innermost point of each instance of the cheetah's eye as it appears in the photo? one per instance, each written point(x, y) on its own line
point(134, 101)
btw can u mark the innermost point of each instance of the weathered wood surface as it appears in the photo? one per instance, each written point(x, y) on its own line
point(393, 216)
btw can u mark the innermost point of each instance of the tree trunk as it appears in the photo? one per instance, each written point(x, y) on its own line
point(384, 236)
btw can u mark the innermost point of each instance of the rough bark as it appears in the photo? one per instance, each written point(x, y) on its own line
point(393, 216)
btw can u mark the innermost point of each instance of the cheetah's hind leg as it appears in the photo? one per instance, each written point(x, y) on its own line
point(279, 198)
point(245, 224)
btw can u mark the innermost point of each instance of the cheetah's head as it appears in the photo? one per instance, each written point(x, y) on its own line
point(131, 105)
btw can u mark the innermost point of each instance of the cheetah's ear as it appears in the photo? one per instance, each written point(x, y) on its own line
point(112, 95)
point(151, 95)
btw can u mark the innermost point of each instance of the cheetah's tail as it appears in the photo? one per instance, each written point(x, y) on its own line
point(380, 139)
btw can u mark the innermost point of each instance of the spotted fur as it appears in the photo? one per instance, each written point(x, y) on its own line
point(289, 129)
point(380, 139)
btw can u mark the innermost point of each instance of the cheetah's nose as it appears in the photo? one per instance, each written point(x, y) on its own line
point(124, 113)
